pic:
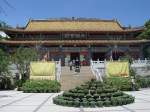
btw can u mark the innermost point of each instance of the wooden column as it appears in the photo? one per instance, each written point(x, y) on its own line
point(89, 54)
point(141, 52)
point(61, 57)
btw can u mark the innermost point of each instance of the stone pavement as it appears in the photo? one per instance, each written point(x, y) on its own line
point(16, 101)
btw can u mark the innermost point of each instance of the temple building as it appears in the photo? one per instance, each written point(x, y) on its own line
point(69, 39)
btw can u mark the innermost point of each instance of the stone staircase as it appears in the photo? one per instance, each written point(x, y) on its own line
point(71, 79)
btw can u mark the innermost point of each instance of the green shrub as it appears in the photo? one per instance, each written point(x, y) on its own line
point(93, 88)
point(144, 82)
point(85, 86)
point(99, 91)
point(108, 95)
point(99, 103)
point(78, 88)
point(92, 92)
point(92, 104)
point(98, 99)
point(121, 83)
point(120, 101)
point(118, 93)
point(68, 94)
point(77, 99)
point(96, 96)
point(56, 100)
point(110, 90)
point(91, 99)
point(80, 91)
point(105, 98)
point(68, 98)
point(85, 91)
point(60, 97)
point(63, 102)
point(130, 99)
point(84, 99)
point(85, 103)
point(80, 95)
point(114, 101)
point(76, 103)
point(41, 86)
point(73, 90)
point(102, 95)
point(88, 96)
point(107, 103)
point(6, 82)
point(19, 84)
point(69, 103)
point(98, 83)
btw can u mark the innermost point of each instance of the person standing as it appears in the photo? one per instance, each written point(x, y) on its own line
point(77, 65)
point(133, 83)
point(70, 65)
point(73, 63)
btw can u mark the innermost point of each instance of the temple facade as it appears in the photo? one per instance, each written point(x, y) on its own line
point(83, 39)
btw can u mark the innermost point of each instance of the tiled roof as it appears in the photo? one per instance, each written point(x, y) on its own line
point(73, 25)
point(76, 42)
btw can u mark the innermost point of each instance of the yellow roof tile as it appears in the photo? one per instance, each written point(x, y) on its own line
point(73, 25)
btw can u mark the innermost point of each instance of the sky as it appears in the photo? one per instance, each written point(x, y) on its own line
point(127, 12)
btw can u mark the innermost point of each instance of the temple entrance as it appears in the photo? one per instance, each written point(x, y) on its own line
point(98, 55)
point(74, 56)
point(117, 55)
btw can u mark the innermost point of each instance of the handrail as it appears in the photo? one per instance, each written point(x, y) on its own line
point(95, 70)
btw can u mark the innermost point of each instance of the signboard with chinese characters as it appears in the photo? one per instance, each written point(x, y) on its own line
point(72, 36)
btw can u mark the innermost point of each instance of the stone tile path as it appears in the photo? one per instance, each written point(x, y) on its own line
point(15, 101)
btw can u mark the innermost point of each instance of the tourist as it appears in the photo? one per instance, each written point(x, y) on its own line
point(77, 65)
point(133, 83)
point(70, 65)
point(66, 61)
point(73, 62)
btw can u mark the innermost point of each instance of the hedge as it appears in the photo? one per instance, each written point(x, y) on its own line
point(98, 94)
point(144, 82)
point(41, 86)
point(121, 83)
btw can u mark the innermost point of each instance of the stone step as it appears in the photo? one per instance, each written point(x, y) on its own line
point(70, 79)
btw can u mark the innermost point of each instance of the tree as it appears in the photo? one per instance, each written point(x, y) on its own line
point(3, 35)
point(146, 33)
point(146, 51)
point(4, 63)
point(6, 81)
point(22, 59)
point(4, 25)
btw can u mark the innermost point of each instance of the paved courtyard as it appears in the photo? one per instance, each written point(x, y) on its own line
point(16, 101)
